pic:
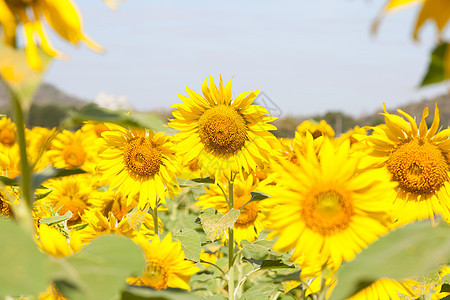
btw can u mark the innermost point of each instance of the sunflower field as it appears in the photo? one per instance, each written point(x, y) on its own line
point(210, 204)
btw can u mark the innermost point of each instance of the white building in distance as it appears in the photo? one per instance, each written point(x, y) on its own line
point(112, 102)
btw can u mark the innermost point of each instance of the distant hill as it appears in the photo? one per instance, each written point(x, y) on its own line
point(47, 94)
point(414, 109)
point(286, 125)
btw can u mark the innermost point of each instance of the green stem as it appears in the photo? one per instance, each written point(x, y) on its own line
point(20, 117)
point(231, 242)
point(214, 265)
point(155, 219)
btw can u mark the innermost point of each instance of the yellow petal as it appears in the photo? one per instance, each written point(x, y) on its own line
point(8, 22)
point(436, 10)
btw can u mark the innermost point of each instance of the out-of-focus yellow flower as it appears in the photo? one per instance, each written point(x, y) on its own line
point(322, 128)
point(8, 195)
point(70, 193)
point(52, 241)
point(7, 133)
point(166, 266)
point(74, 150)
point(435, 10)
point(386, 289)
point(112, 3)
point(62, 15)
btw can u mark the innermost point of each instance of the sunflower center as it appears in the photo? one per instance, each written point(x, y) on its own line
point(5, 210)
point(249, 213)
point(75, 204)
point(327, 212)
point(74, 155)
point(142, 157)
point(155, 275)
point(418, 166)
point(222, 129)
point(7, 137)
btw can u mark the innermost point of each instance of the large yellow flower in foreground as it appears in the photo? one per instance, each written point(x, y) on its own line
point(62, 15)
point(224, 133)
point(138, 161)
point(418, 159)
point(327, 209)
point(166, 266)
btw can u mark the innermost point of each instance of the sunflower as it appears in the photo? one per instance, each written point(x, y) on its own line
point(386, 289)
point(429, 285)
point(138, 161)
point(73, 150)
point(38, 142)
point(327, 209)
point(62, 15)
point(109, 214)
point(418, 159)
point(322, 128)
point(10, 163)
point(166, 266)
point(224, 133)
point(96, 128)
point(8, 195)
point(251, 219)
point(52, 241)
point(99, 225)
point(71, 193)
point(7, 133)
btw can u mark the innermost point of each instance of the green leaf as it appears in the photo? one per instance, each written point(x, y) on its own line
point(183, 183)
point(51, 172)
point(92, 112)
point(144, 293)
point(405, 252)
point(136, 217)
point(17, 75)
point(254, 295)
point(446, 279)
point(445, 288)
point(259, 291)
point(266, 264)
point(204, 180)
point(100, 269)
point(24, 270)
point(292, 276)
point(56, 219)
point(80, 226)
point(256, 196)
point(8, 181)
point(214, 223)
point(42, 195)
point(436, 68)
point(191, 243)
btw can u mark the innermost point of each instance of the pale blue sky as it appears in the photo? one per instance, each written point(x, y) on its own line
point(307, 56)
